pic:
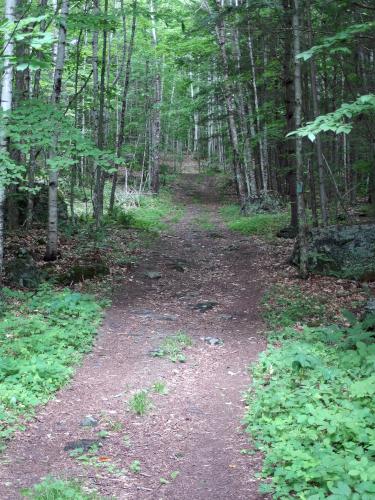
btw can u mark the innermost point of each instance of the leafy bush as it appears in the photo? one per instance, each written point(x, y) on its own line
point(59, 489)
point(311, 411)
point(262, 224)
point(42, 335)
point(285, 306)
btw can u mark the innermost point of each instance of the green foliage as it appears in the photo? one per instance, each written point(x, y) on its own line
point(333, 44)
point(172, 347)
point(42, 335)
point(160, 387)
point(140, 403)
point(285, 306)
point(153, 214)
point(59, 489)
point(311, 411)
point(135, 466)
point(266, 225)
point(339, 121)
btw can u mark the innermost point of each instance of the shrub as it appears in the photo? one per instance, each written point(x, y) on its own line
point(42, 335)
point(311, 411)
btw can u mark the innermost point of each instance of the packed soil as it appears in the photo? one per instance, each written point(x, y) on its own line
point(191, 443)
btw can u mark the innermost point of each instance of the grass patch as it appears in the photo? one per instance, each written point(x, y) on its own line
point(204, 221)
point(43, 335)
point(285, 306)
point(140, 403)
point(160, 387)
point(58, 489)
point(153, 214)
point(311, 407)
point(172, 347)
point(266, 225)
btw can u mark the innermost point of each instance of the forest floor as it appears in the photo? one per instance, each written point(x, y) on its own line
point(188, 445)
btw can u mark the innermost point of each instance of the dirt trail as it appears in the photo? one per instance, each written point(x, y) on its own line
point(194, 429)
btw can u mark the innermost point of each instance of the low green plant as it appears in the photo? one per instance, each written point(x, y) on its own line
point(311, 412)
point(153, 214)
point(135, 467)
point(285, 306)
point(140, 403)
point(263, 224)
point(204, 221)
point(43, 335)
point(172, 347)
point(59, 489)
point(160, 387)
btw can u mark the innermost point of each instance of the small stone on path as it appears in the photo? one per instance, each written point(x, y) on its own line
point(82, 444)
point(213, 341)
point(153, 275)
point(89, 421)
point(226, 317)
point(204, 306)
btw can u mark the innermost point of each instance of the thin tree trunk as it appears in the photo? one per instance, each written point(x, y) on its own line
point(155, 113)
point(52, 240)
point(6, 106)
point(302, 222)
point(318, 141)
point(121, 133)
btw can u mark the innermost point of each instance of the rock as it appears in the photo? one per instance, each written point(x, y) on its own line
point(89, 421)
point(82, 444)
point(213, 341)
point(346, 251)
point(155, 316)
point(153, 275)
point(83, 271)
point(23, 271)
point(226, 317)
point(262, 202)
point(288, 232)
point(204, 306)
point(370, 306)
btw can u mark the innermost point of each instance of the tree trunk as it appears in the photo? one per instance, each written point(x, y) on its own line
point(155, 113)
point(318, 141)
point(52, 240)
point(302, 222)
point(6, 106)
point(230, 108)
point(121, 132)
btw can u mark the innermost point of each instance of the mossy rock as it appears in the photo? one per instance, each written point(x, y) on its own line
point(343, 251)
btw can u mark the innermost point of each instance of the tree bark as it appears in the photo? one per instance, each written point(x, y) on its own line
point(121, 132)
point(6, 106)
point(155, 113)
point(52, 239)
point(302, 222)
point(318, 141)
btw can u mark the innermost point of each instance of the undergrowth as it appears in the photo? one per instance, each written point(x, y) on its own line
point(153, 214)
point(285, 306)
point(58, 489)
point(265, 225)
point(43, 334)
point(311, 411)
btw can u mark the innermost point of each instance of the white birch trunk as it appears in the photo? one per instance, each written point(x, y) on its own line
point(52, 240)
point(6, 105)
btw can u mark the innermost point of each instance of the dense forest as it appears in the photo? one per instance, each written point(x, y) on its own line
point(208, 167)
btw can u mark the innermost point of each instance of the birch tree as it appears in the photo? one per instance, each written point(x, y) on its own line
point(6, 106)
point(52, 240)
